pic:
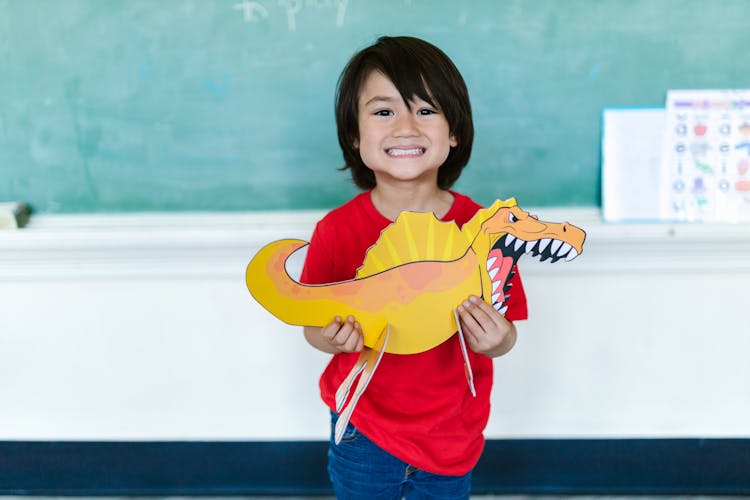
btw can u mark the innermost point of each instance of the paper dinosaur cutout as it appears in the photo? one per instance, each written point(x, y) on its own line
point(405, 293)
point(415, 275)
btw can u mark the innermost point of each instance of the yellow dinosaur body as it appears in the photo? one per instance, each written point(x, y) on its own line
point(416, 274)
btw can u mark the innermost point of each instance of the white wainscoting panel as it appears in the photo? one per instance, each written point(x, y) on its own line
point(140, 327)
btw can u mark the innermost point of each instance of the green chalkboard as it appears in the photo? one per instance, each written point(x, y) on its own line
point(142, 105)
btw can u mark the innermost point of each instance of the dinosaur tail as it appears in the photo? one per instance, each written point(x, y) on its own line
point(290, 301)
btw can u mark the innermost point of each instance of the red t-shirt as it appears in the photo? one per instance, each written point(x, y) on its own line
point(418, 407)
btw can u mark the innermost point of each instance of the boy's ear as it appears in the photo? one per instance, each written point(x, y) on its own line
point(453, 141)
point(356, 143)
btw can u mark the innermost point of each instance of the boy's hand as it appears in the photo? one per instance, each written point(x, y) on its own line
point(343, 336)
point(486, 330)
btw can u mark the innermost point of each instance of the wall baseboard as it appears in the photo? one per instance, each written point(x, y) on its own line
point(515, 466)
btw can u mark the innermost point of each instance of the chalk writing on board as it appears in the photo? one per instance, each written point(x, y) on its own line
point(255, 12)
point(294, 7)
point(252, 12)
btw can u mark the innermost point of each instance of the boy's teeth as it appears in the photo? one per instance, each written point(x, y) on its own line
point(405, 152)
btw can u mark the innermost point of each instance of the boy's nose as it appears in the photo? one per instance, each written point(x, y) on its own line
point(406, 125)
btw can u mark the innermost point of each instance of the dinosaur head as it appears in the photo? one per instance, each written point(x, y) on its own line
point(510, 233)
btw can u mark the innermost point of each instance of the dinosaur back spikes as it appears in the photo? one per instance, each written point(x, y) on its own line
point(413, 237)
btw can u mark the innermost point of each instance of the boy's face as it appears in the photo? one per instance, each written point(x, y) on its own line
point(395, 142)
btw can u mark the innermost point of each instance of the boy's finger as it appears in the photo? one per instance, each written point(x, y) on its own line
point(469, 323)
point(481, 304)
point(360, 343)
point(352, 341)
point(474, 306)
point(344, 333)
point(356, 339)
point(329, 331)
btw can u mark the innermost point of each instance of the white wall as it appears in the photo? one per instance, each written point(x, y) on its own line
point(140, 327)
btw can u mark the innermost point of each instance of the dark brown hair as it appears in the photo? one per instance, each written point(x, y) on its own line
point(416, 68)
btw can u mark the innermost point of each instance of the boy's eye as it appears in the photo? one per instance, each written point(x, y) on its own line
point(426, 111)
point(383, 112)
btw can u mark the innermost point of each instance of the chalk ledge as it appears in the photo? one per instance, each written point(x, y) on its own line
point(220, 244)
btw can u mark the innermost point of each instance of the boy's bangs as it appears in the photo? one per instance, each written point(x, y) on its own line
point(409, 79)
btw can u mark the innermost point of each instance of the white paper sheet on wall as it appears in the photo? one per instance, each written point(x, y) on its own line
point(706, 156)
point(631, 164)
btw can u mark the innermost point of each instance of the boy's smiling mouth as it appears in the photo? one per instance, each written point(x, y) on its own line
point(416, 151)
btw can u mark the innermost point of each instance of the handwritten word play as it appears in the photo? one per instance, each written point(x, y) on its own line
point(255, 12)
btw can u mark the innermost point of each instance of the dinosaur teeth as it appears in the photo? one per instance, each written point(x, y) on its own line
point(518, 244)
point(495, 297)
point(490, 262)
point(564, 249)
point(555, 245)
point(571, 255)
point(501, 308)
point(493, 273)
point(548, 248)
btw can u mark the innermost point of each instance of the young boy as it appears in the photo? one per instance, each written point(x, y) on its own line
point(405, 128)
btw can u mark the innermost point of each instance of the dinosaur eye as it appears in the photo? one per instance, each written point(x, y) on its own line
point(512, 218)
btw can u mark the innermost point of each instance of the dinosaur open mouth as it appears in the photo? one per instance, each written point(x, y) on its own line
point(506, 252)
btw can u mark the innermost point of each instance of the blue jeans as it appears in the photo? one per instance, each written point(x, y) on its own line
point(359, 469)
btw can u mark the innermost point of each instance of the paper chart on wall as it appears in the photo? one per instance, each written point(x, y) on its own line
point(631, 164)
point(706, 161)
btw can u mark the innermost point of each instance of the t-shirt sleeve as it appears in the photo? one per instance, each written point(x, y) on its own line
point(517, 309)
point(318, 266)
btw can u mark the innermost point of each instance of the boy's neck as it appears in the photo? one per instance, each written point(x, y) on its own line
point(392, 200)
